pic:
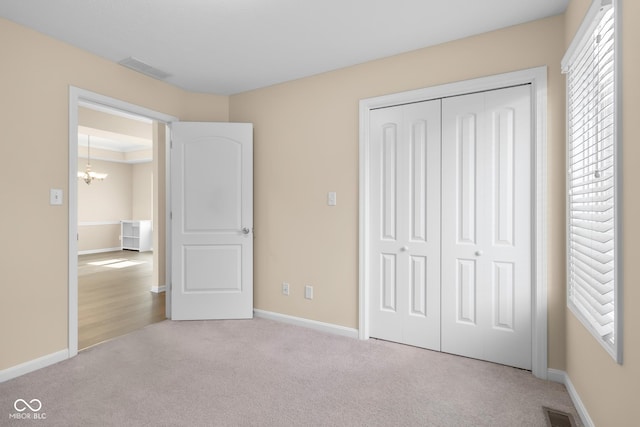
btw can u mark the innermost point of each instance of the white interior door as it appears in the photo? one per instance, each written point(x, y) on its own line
point(486, 226)
point(405, 224)
point(450, 225)
point(212, 220)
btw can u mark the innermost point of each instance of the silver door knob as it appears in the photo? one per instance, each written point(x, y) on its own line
point(246, 230)
point(404, 248)
point(478, 253)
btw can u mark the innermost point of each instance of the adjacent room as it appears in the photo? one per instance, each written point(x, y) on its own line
point(118, 288)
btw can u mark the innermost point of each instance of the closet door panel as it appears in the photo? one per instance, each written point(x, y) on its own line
point(405, 224)
point(486, 226)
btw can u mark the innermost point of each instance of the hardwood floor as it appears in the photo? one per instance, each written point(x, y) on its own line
point(114, 296)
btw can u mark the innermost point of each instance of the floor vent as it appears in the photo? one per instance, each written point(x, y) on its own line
point(558, 418)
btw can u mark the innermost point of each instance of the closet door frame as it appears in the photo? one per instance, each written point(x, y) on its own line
point(537, 77)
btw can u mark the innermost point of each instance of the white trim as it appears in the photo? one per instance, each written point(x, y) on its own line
point(539, 314)
point(588, 23)
point(90, 223)
point(537, 77)
point(562, 377)
point(312, 324)
point(120, 161)
point(619, 185)
point(557, 376)
point(577, 402)
point(99, 251)
point(168, 222)
point(115, 112)
point(78, 97)
point(33, 365)
point(158, 289)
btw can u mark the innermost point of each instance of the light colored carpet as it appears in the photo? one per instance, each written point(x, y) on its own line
point(264, 373)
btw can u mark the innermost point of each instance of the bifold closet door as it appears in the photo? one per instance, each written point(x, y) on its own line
point(486, 226)
point(405, 224)
point(450, 224)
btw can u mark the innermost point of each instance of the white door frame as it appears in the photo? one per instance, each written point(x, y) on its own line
point(76, 97)
point(537, 77)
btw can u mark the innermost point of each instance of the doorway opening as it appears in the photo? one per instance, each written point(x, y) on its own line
point(118, 286)
point(118, 261)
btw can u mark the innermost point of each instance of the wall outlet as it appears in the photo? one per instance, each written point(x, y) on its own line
point(308, 292)
point(285, 288)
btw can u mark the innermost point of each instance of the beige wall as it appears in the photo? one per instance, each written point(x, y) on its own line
point(306, 144)
point(98, 237)
point(103, 201)
point(610, 391)
point(36, 74)
point(125, 194)
point(107, 200)
point(142, 190)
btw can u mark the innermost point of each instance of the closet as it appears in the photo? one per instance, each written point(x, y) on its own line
point(451, 225)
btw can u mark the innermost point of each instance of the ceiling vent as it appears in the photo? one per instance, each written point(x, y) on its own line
point(141, 67)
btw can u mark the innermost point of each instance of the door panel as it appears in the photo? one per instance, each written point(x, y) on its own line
point(466, 291)
point(465, 178)
point(405, 232)
point(486, 226)
point(212, 268)
point(389, 179)
point(418, 284)
point(419, 182)
point(388, 289)
point(218, 163)
point(503, 293)
point(212, 210)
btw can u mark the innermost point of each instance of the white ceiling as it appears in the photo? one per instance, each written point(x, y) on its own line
point(232, 46)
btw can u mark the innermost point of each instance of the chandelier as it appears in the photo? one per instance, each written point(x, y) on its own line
point(88, 175)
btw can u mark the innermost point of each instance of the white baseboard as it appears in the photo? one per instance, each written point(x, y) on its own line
point(313, 324)
point(99, 251)
point(559, 376)
point(158, 289)
point(33, 365)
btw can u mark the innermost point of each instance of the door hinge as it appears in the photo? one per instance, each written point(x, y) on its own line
point(170, 215)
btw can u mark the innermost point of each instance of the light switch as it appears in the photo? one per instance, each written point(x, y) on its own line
point(331, 198)
point(55, 197)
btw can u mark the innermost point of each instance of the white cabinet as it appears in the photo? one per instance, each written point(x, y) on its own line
point(135, 235)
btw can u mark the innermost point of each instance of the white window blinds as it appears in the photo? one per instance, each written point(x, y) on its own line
point(592, 177)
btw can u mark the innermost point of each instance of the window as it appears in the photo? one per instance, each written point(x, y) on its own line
point(593, 255)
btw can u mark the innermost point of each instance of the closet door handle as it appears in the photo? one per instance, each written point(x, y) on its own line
point(404, 248)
